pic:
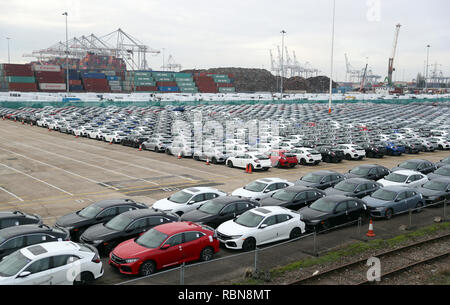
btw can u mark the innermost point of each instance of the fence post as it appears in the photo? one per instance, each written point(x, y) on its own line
point(182, 274)
point(445, 210)
point(315, 241)
point(256, 259)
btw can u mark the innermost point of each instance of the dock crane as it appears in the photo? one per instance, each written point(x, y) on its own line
point(391, 68)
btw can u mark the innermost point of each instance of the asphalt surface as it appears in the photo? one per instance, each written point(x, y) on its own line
point(52, 174)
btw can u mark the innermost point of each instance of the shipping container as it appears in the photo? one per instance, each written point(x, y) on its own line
point(162, 74)
point(75, 82)
point(93, 75)
point(21, 79)
point(168, 89)
point(113, 78)
point(24, 87)
point(76, 88)
point(114, 83)
point(144, 83)
point(166, 84)
point(48, 68)
point(182, 76)
point(227, 89)
point(52, 86)
point(146, 88)
point(116, 88)
point(189, 90)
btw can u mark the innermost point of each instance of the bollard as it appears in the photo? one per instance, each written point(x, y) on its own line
point(182, 274)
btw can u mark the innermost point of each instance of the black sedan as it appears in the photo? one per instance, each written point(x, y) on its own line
point(133, 140)
point(330, 155)
point(105, 237)
point(216, 211)
point(368, 171)
point(418, 165)
point(98, 212)
point(331, 211)
point(293, 197)
point(410, 147)
point(18, 237)
point(320, 179)
point(436, 190)
point(374, 150)
point(354, 187)
point(18, 218)
point(441, 172)
point(443, 162)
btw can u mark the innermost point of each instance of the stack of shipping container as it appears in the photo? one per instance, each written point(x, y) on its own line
point(75, 84)
point(50, 78)
point(95, 82)
point(185, 83)
point(223, 82)
point(139, 81)
point(205, 83)
point(114, 81)
point(165, 81)
point(17, 78)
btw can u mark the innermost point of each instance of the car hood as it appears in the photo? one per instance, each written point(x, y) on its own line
point(272, 201)
point(98, 232)
point(430, 193)
point(130, 249)
point(196, 216)
point(245, 193)
point(333, 191)
point(305, 183)
point(165, 205)
point(310, 214)
point(373, 202)
point(232, 228)
point(388, 183)
point(350, 175)
point(432, 176)
point(70, 220)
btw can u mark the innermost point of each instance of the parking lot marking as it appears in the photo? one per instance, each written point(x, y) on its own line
point(11, 194)
point(34, 178)
point(66, 171)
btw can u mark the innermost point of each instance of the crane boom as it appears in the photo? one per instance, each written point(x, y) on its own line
point(391, 59)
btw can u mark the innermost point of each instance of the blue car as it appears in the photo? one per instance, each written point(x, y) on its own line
point(393, 149)
point(391, 200)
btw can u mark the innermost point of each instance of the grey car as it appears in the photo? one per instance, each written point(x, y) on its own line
point(436, 190)
point(391, 200)
point(418, 165)
point(441, 172)
point(320, 179)
point(443, 162)
point(353, 187)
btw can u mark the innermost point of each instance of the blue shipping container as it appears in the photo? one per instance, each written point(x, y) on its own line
point(168, 89)
point(94, 75)
point(76, 88)
point(112, 78)
point(73, 74)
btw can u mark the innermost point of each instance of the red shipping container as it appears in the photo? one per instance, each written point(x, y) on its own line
point(166, 84)
point(24, 87)
point(224, 85)
point(146, 88)
point(75, 82)
point(49, 74)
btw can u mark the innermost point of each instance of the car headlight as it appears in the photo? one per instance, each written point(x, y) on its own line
point(315, 221)
point(379, 208)
point(235, 236)
point(131, 260)
point(99, 241)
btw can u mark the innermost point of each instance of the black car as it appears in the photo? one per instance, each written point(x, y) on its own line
point(106, 236)
point(418, 165)
point(443, 162)
point(133, 141)
point(98, 212)
point(368, 171)
point(293, 197)
point(17, 237)
point(436, 190)
point(354, 187)
point(320, 179)
point(441, 172)
point(216, 211)
point(17, 218)
point(331, 211)
point(410, 148)
point(373, 150)
point(330, 155)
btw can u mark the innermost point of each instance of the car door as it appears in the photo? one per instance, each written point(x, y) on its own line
point(174, 254)
point(227, 213)
point(373, 174)
point(340, 215)
point(11, 245)
point(400, 203)
point(300, 200)
point(354, 210)
point(284, 226)
point(411, 199)
point(135, 228)
point(325, 182)
point(191, 250)
point(267, 230)
point(360, 191)
point(270, 189)
point(64, 269)
point(40, 273)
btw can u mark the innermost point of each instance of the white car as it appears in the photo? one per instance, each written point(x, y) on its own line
point(262, 188)
point(255, 159)
point(307, 155)
point(187, 200)
point(52, 263)
point(404, 178)
point(114, 137)
point(441, 143)
point(352, 151)
point(260, 226)
point(93, 133)
point(184, 149)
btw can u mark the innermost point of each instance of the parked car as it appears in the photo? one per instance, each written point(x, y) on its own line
point(281, 158)
point(410, 146)
point(373, 150)
point(214, 212)
point(260, 226)
point(306, 155)
point(107, 236)
point(443, 171)
point(320, 179)
point(261, 188)
point(164, 245)
point(18, 218)
point(98, 212)
point(418, 165)
point(443, 162)
point(331, 155)
point(353, 187)
point(391, 200)
point(393, 149)
point(436, 190)
point(331, 211)
point(293, 197)
point(368, 171)
point(404, 178)
point(156, 145)
point(187, 200)
point(51, 263)
point(212, 155)
point(352, 152)
point(255, 160)
point(17, 237)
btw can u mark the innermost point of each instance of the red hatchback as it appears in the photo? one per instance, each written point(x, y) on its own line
point(281, 158)
point(165, 245)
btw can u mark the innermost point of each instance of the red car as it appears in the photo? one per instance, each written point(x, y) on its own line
point(281, 158)
point(165, 245)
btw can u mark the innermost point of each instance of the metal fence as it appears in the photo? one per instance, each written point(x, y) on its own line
point(260, 261)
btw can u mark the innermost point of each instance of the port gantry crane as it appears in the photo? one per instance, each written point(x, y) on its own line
point(391, 68)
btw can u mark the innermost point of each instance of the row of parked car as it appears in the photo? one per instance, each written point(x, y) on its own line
point(192, 223)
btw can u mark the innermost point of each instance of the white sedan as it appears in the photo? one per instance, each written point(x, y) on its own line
point(260, 226)
point(307, 155)
point(352, 151)
point(187, 200)
point(255, 159)
point(261, 188)
point(52, 263)
point(404, 178)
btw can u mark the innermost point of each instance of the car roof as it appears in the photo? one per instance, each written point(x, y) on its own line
point(268, 180)
point(228, 199)
point(408, 172)
point(134, 214)
point(8, 214)
point(358, 180)
point(200, 189)
point(324, 172)
point(45, 249)
point(178, 227)
point(397, 188)
point(369, 165)
point(24, 229)
point(299, 188)
point(270, 210)
point(112, 202)
point(416, 161)
point(444, 179)
point(338, 198)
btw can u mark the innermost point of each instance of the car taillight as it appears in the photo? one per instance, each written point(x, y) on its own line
point(96, 259)
point(256, 161)
point(332, 153)
point(353, 150)
point(309, 156)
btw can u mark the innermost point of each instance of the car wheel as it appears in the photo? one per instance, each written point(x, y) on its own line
point(419, 207)
point(230, 164)
point(388, 214)
point(156, 149)
point(265, 169)
point(249, 244)
point(348, 157)
point(143, 147)
point(206, 254)
point(295, 233)
point(303, 162)
point(214, 161)
point(85, 278)
point(147, 268)
point(196, 158)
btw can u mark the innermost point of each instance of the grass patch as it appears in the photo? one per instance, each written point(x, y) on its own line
point(442, 278)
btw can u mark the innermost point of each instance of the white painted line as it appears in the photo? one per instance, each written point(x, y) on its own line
point(66, 171)
point(15, 196)
point(34, 178)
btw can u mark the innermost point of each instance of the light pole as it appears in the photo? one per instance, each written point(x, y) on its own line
point(282, 62)
point(9, 60)
point(426, 75)
point(164, 64)
point(332, 54)
point(67, 55)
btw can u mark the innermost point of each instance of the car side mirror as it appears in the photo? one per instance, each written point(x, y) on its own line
point(191, 202)
point(408, 182)
point(98, 217)
point(24, 274)
point(263, 226)
point(165, 246)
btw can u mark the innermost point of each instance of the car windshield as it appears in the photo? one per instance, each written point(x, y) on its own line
point(249, 219)
point(323, 205)
point(118, 223)
point(180, 197)
point(360, 171)
point(396, 177)
point(435, 185)
point(446, 160)
point(345, 186)
point(152, 239)
point(408, 165)
point(90, 211)
point(313, 152)
point(311, 178)
point(443, 171)
point(210, 207)
point(255, 186)
point(284, 195)
point(384, 195)
point(261, 157)
point(13, 263)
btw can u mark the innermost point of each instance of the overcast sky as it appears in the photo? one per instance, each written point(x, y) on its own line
point(240, 33)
